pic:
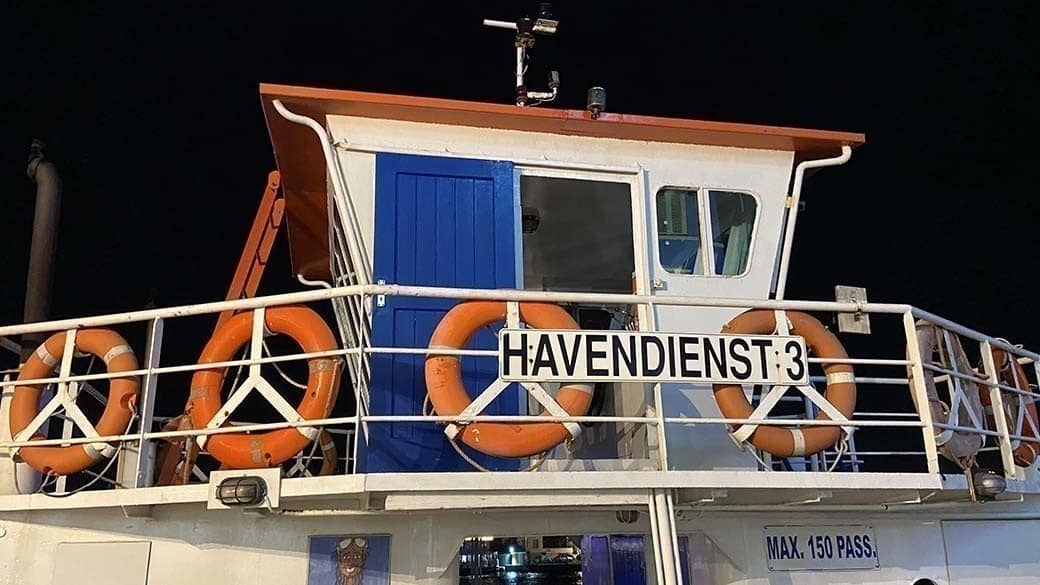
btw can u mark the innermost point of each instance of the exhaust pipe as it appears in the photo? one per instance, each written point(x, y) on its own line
point(44, 244)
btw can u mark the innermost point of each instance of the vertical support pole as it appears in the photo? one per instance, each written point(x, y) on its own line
point(665, 542)
point(677, 561)
point(924, 407)
point(655, 538)
point(996, 398)
point(145, 468)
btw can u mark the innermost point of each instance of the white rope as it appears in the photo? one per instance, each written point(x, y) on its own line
point(842, 448)
point(281, 373)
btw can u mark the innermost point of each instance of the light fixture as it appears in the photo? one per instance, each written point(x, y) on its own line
point(596, 102)
point(986, 486)
point(247, 490)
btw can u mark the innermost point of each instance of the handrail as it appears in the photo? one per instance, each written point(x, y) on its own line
point(360, 294)
point(506, 295)
point(448, 293)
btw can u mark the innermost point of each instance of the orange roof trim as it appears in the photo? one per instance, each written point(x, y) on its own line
point(299, 157)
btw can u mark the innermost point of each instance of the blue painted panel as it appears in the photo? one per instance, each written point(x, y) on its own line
point(595, 560)
point(438, 222)
point(628, 560)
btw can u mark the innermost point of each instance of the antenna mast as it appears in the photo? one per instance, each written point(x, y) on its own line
point(526, 29)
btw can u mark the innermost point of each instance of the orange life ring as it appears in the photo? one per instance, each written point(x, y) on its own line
point(122, 394)
point(449, 397)
point(841, 388)
point(244, 450)
point(1025, 453)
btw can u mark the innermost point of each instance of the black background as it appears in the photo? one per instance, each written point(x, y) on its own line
point(153, 117)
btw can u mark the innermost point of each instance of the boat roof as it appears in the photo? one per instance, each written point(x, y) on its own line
point(299, 157)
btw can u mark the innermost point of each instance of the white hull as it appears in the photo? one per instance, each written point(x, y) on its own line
point(960, 545)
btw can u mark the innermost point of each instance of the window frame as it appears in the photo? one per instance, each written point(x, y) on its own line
point(707, 235)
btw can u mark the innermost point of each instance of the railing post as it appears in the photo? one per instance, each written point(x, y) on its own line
point(145, 468)
point(67, 429)
point(924, 407)
point(996, 399)
point(648, 322)
point(360, 427)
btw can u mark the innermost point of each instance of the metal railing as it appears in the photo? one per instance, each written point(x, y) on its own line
point(1006, 432)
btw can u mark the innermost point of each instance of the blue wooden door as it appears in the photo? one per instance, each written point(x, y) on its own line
point(443, 222)
point(628, 559)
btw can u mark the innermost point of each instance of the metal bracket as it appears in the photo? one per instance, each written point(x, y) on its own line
point(380, 299)
point(858, 322)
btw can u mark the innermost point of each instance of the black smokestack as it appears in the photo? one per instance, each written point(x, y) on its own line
point(44, 244)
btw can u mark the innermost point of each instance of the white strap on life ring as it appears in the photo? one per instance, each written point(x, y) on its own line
point(45, 356)
point(115, 352)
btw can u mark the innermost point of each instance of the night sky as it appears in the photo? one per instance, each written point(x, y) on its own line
point(153, 118)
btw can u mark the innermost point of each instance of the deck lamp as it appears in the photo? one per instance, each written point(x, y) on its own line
point(247, 490)
point(986, 486)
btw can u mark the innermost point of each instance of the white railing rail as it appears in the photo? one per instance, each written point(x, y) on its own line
point(359, 298)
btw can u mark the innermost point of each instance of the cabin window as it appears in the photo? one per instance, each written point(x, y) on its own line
point(679, 231)
point(682, 216)
point(732, 223)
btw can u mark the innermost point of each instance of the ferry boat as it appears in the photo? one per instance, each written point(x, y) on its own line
point(530, 345)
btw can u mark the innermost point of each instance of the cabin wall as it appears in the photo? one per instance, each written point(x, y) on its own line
point(649, 167)
point(764, 171)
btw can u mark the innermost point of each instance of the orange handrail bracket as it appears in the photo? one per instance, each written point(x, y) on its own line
point(257, 250)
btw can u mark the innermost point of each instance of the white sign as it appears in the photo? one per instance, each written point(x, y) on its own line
point(816, 548)
point(529, 355)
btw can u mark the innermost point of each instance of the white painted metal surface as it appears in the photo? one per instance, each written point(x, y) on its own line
point(992, 552)
point(229, 547)
point(102, 563)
